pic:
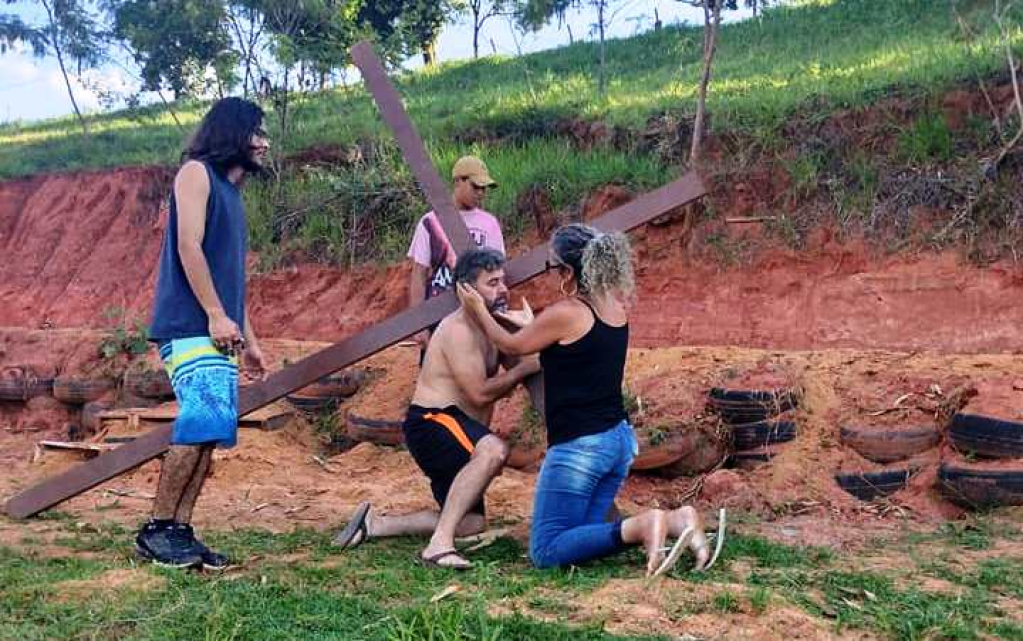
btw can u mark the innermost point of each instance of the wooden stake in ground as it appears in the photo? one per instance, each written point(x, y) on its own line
point(347, 352)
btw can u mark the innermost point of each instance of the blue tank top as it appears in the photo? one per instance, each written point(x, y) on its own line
point(176, 311)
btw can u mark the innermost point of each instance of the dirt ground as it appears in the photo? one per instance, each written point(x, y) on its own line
point(281, 479)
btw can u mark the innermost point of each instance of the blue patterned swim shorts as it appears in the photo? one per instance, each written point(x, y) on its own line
point(205, 382)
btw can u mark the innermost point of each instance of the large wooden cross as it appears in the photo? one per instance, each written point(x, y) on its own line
point(127, 457)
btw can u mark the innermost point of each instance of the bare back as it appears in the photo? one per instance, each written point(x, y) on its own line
point(459, 355)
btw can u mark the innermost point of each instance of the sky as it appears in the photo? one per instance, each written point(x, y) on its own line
point(33, 88)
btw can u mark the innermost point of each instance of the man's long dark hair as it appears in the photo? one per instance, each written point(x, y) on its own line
point(224, 136)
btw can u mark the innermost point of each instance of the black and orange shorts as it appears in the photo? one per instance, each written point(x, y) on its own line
point(442, 442)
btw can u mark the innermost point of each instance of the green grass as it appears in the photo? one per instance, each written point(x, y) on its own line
point(818, 54)
point(383, 195)
point(377, 591)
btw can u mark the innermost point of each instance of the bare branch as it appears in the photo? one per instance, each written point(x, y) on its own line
point(1014, 75)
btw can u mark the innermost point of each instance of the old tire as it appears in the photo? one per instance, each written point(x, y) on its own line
point(748, 436)
point(699, 460)
point(755, 458)
point(890, 444)
point(750, 406)
point(371, 430)
point(338, 385)
point(79, 391)
point(312, 405)
point(867, 486)
point(18, 385)
point(149, 383)
point(987, 437)
point(667, 450)
point(975, 487)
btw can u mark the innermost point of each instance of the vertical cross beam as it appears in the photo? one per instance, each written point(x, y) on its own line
point(411, 145)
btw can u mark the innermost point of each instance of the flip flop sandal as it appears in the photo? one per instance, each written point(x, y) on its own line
point(346, 538)
point(674, 553)
point(433, 561)
point(719, 542)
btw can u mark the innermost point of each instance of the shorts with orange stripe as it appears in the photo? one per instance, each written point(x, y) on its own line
point(442, 442)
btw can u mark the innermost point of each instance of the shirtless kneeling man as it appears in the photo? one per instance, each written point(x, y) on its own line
point(446, 426)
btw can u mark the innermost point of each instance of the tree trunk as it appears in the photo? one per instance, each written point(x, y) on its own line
point(711, 22)
point(600, 27)
point(476, 26)
point(429, 53)
point(55, 43)
point(170, 108)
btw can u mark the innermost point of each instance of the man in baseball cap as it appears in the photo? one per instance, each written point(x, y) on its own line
point(433, 261)
point(474, 170)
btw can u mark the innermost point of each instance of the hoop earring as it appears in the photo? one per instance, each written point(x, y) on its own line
point(575, 289)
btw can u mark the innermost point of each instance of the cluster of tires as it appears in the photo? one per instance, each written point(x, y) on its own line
point(990, 473)
point(995, 478)
point(760, 422)
point(901, 448)
point(88, 396)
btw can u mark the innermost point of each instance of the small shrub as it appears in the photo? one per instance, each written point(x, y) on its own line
point(927, 140)
point(129, 337)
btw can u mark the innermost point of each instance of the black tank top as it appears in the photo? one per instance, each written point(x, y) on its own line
point(583, 382)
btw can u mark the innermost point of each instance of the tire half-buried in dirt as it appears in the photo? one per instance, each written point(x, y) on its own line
point(369, 430)
point(79, 391)
point(890, 444)
point(748, 436)
point(974, 486)
point(867, 486)
point(750, 406)
point(18, 385)
point(987, 437)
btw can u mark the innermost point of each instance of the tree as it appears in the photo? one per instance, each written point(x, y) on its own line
point(176, 43)
point(711, 25)
point(247, 24)
point(536, 13)
point(404, 27)
point(13, 30)
point(70, 33)
point(481, 11)
point(421, 22)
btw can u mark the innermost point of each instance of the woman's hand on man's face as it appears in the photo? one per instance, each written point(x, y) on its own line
point(471, 299)
point(517, 317)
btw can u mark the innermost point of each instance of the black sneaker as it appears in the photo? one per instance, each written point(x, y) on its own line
point(165, 547)
point(213, 561)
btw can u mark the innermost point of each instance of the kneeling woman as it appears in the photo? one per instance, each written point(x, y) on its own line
point(582, 341)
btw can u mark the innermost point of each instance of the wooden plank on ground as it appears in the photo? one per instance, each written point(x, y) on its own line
point(271, 417)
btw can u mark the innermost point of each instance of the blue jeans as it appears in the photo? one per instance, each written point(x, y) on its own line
point(576, 488)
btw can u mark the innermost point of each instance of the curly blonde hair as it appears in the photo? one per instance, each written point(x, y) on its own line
point(601, 262)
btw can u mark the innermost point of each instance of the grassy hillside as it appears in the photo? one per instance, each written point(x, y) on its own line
point(807, 57)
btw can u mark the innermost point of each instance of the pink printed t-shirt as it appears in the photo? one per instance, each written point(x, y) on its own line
point(484, 229)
